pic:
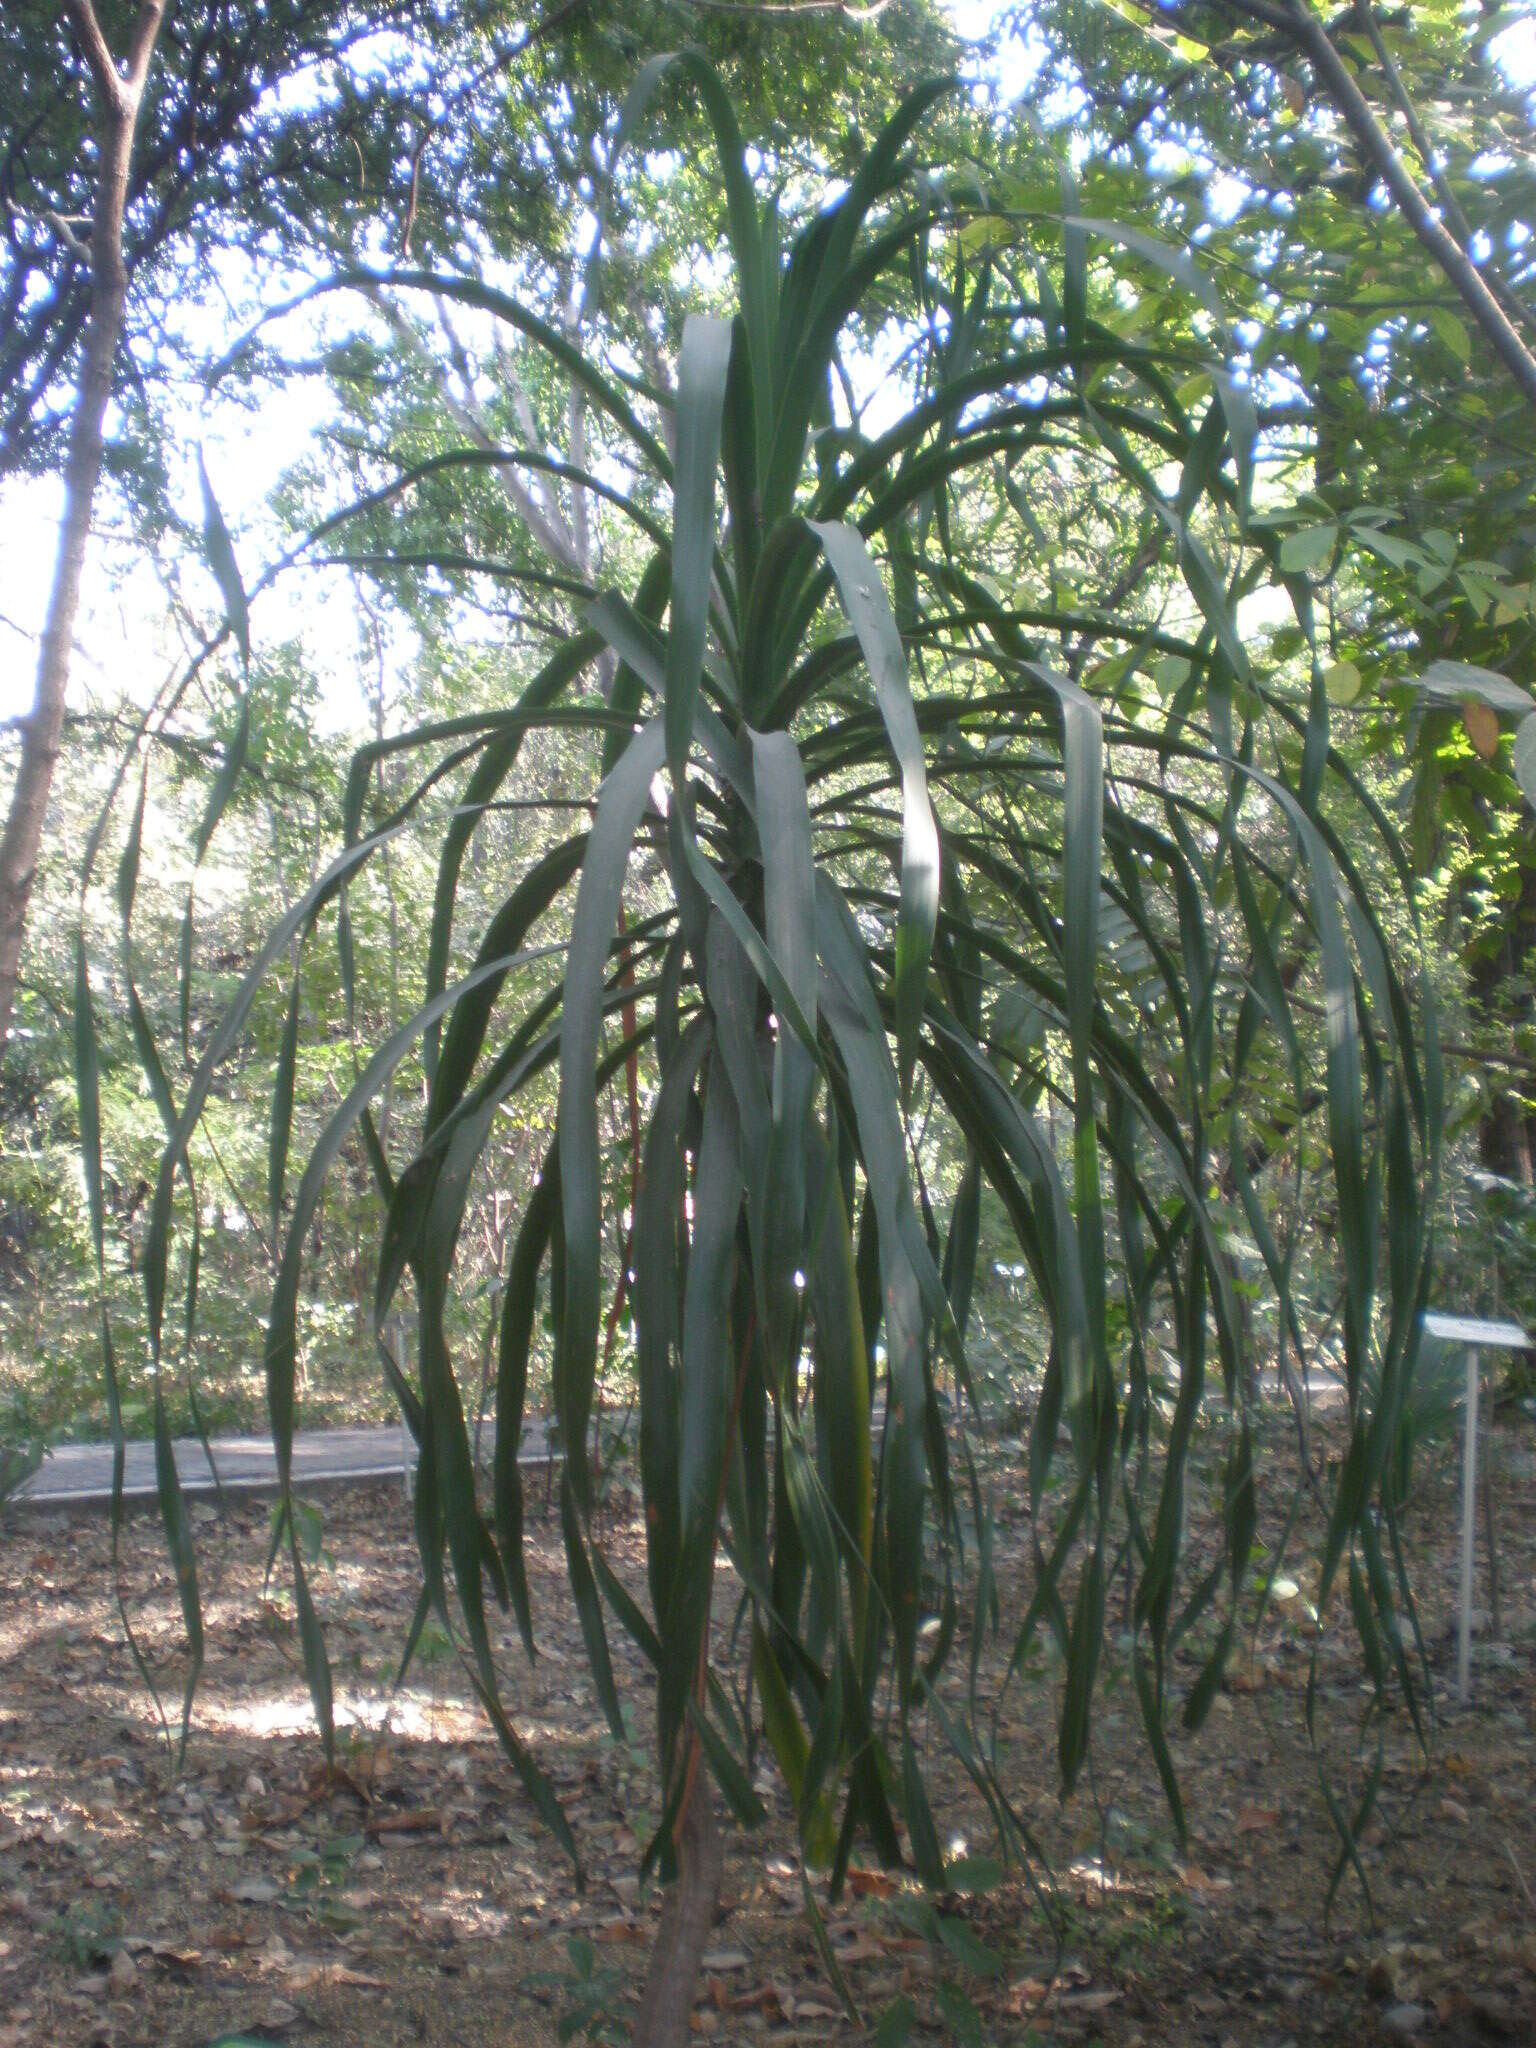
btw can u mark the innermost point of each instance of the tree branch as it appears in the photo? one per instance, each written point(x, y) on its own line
point(1336, 78)
point(543, 522)
point(1415, 126)
point(141, 44)
point(93, 47)
point(871, 11)
point(121, 89)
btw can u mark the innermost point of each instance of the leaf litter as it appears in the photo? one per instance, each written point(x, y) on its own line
point(408, 1895)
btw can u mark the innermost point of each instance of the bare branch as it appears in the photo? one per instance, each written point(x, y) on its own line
point(141, 44)
point(121, 89)
point(64, 229)
point(548, 531)
point(93, 47)
point(871, 11)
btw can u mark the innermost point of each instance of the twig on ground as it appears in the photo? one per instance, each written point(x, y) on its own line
point(1525, 1890)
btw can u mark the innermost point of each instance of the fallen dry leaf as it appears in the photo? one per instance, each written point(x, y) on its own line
point(1086, 2001)
point(304, 1972)
point(765, 1998)
point(415, 1820)
point(1254, 1819)
point(1482, 724)
point(857, 1945)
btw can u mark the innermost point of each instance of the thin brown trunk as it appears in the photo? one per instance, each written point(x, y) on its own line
point(687, 1915)
point(119, 94)
point(1496, 982)
point(688, 1909)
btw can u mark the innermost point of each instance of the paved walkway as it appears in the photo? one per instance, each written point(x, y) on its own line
point(81, 1474)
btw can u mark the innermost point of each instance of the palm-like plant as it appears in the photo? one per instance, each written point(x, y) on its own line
point(810, 895)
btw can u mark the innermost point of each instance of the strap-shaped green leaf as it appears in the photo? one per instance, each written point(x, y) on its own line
point(871, 1084)
point(706, 1392)
point(230, 771)
point(621, 803)
point(869, 614)
point(756, 282)
point(88, 1106)
point(701, 375)
point(491, 771)
point(519, 1303)
point(1082, 883)
point(729, 1774)
point(789, 919)
point(842, 1384)
point(220, 552)
point(604, 391)
point(282, 1321)
point(506, 931)
point(281, 1131)
point(660, 1229)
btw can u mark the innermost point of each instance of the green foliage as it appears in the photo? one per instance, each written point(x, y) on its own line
point(87, 1932)
point(855, 796)
point(894, 2025)
point(1406, 498)
point(21, 1453)
point(308, 126)
point(590, 1995)
point(318, 1877)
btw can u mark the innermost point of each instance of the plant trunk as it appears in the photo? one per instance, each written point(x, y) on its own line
point(119, 99)
point(1498, 983)
point(687, 1914)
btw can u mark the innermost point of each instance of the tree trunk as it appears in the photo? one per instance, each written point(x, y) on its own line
point(119, 94)
point(687, 1914)
point(1497, 982)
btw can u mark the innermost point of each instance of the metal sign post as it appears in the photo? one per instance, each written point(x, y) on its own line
point(1478, 1336)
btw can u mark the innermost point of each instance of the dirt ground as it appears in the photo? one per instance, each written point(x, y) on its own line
point(412, 1897)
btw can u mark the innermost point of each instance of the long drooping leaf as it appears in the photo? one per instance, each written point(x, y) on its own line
point(864, 600)
point(701, 375)
point(789, 917)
